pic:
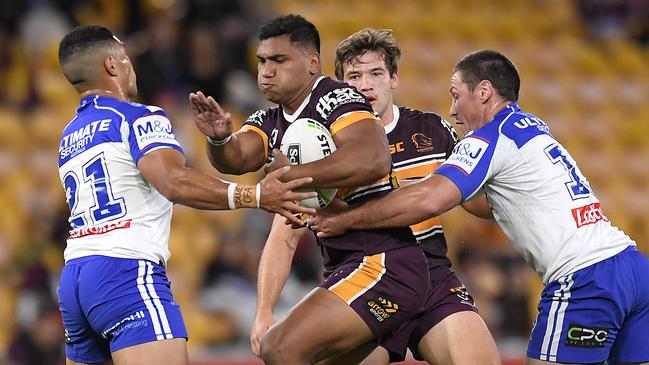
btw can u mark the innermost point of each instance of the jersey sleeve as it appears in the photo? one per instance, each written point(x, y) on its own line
point(150, 131)
point(470, 164)
point(343, 106)
point(257, 122)
point(451, 136)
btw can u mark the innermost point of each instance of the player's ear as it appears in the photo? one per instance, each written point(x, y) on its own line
point(485, 90)
point(394, 79)
point(314, 63)
point(110, 64)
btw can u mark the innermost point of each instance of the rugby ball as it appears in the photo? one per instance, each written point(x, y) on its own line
point(304, 141)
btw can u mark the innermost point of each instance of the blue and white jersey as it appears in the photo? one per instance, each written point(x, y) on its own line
point(114, 211)
point(539, 196)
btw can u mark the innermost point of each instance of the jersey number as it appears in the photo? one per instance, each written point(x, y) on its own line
point(576, 187)
point(106, 206)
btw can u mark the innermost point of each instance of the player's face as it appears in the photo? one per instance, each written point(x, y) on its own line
point(465, 105)
point(128, 80)
point(369, 74)
point(283, 69)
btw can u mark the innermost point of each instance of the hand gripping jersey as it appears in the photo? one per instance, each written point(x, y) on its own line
point(539, 196)
point(419, 143)
point(335, 105)
point(114, 211)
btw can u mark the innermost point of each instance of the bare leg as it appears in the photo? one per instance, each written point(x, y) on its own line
point(171, 352)
point(319, 327)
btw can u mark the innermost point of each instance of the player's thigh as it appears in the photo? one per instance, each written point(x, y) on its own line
point(318, 327)
point(460, 338)
point(70, 362)
point(169, 352)
point(365, 354)
point(379, 356)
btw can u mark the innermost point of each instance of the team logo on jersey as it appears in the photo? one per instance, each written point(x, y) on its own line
point(467, 154)
point(335, 98)
point(257, 117)
point(422, 143)
point(463, 294)
point(382, 308)
point(153, 129)
point(583, 336)
point(588, 214)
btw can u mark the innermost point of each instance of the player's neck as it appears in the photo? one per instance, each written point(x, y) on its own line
point(295, 103)
point(103, 92)
point(388, 115)
point(492, 109)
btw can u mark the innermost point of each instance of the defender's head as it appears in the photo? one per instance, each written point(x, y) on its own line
point(92, 57)
point(481, 82)
point(288, 57)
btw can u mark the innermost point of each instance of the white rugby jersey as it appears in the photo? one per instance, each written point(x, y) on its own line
point(114, 211)
point(539, 197)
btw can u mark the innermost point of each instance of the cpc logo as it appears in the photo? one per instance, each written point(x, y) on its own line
point(582, 336)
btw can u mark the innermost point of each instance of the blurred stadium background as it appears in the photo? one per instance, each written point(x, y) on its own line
point(585, 71)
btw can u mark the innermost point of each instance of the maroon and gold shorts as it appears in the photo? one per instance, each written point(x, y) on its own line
point(447, 295)
point(386, 289)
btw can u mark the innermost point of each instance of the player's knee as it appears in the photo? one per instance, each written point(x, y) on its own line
point(275, 349)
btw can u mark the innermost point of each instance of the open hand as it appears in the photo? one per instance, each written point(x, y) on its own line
point(209, 117)
point(279, 160)
point(278, 196)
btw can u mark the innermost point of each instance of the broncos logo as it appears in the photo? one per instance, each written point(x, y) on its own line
point(422, 143)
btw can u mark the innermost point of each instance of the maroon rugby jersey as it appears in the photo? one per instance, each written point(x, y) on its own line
point(419, 143)
point(336, 105)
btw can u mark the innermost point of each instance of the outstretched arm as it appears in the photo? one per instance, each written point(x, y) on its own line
point(274, 268)
point(237, 153)
point(165, 169)
point(409, 205)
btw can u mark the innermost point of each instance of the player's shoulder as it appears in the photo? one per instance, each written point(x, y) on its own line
point(426, 121)
point(520, 126)
point(335, 98)
point(259, 117)
point(129, 110)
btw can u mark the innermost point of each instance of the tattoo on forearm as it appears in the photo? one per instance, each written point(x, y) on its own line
point(288, 244)
point(244, 196)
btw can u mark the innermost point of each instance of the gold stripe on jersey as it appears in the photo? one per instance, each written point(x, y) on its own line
point(387, 183)
point(416, 171)
point(368, 273)
point(261, 133)
point(427, 228)
point(350, 119)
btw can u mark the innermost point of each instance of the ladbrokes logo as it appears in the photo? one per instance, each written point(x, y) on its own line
point(382, 308)
point(333, 99)
point(582, 336)
point(588, 214)
point(76, 233)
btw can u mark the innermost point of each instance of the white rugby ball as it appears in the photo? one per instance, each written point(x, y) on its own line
point(304, 141)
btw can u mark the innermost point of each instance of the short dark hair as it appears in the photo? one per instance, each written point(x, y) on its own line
point(82, 39)
point(493, 66)
point(366, 40)
point(296, 27)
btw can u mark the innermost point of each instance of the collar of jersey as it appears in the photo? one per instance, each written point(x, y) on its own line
point(504, 112)
point(395, 119)
point(292, 117)
point(87, 100)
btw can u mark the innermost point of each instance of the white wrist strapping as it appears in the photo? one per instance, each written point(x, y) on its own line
point(258, 193)
point(219, 142)
point(231, 188)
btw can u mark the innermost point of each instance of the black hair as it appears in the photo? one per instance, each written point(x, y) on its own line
point(493, 66)
point(296, 27)
point(83, 39)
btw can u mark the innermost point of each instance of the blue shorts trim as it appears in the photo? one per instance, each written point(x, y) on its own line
point(596, 314)
point(110, 303)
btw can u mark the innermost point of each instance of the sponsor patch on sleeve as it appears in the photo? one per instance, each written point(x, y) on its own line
point(153, 129)
point(467, 154)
